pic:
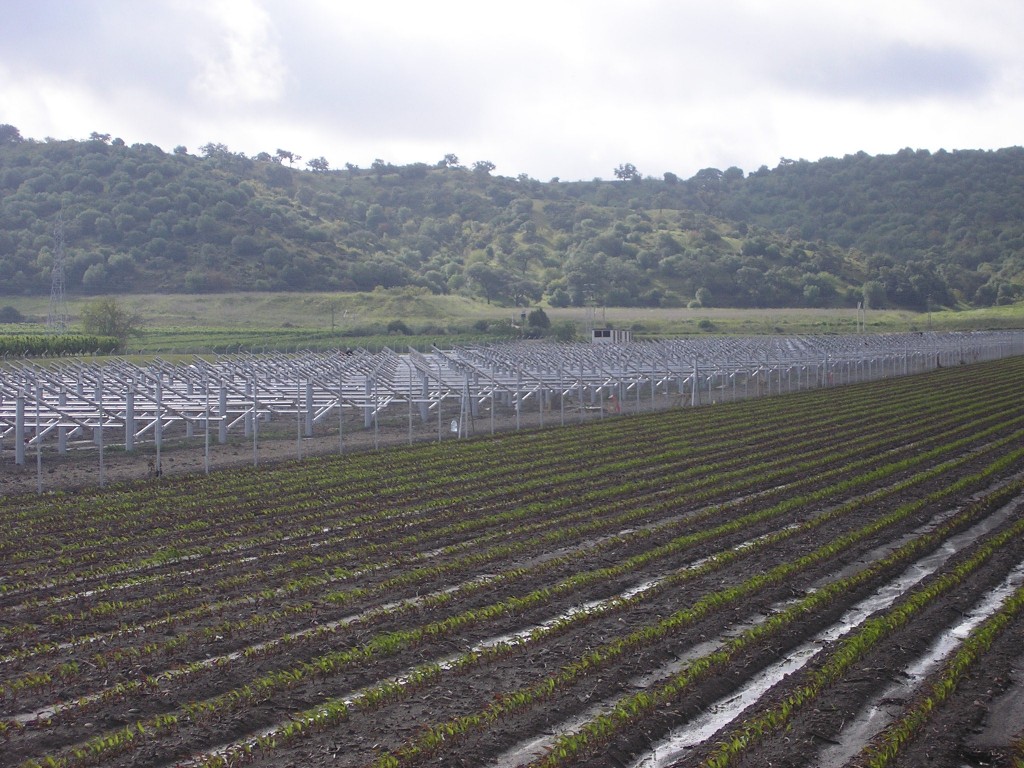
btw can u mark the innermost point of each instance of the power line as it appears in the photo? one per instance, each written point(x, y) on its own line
point(57, 316)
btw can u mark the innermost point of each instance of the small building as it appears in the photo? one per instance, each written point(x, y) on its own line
point(610, 336)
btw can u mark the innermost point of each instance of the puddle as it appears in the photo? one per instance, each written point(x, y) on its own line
point(727, 709)
point(514, 638)
point(878, 713)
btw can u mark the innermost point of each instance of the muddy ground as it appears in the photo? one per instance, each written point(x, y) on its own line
point(976, 727)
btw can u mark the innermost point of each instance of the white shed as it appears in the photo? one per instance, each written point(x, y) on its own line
point(611, 336)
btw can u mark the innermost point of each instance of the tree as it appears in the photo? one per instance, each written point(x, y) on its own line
point(559, 297)
point(627, 172)
point(9, 314)
point(319, 165)
point(524, 291)
point(812, 295)
point(492, 281)
point(181, 149)
point(107, 317)
point(284, 154)
point(95, 280)
point(277, 175)
point(874, 294)
point(449, 161)
point(399, 327)
point(708, 182)
point(212, 149)
point(9, 134)
point(538, 318)
point(103, 137)
point(483, 167)
point(732, 174)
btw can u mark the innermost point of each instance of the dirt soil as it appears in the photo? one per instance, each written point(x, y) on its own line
point(383, 582)
point(79, 467)
point(356, 742)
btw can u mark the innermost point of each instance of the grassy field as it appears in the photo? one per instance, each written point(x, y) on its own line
point(264, 321)
point(668, 322)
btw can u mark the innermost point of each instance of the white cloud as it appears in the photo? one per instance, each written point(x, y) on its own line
point(570, 88)
point(237, 58)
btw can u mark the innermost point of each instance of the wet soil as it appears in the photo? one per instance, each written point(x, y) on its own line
point(117, 641)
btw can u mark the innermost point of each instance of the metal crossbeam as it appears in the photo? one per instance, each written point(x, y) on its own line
point(119, 402)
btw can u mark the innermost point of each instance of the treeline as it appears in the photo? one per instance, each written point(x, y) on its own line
point(910, 231)
point(60, 345)
point(944, 224)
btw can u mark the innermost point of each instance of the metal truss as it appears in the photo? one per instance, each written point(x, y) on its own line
point(73, 404)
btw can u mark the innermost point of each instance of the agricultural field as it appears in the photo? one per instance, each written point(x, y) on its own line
point(257, 322)
point(829, 578)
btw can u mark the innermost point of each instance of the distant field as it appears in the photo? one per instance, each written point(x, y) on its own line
point(220, 322)
point(795, 320)
point(277, 310)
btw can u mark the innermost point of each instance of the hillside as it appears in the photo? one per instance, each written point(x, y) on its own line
point(909, 230)
point(953, 215)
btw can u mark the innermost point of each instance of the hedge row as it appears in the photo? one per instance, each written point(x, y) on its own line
point(39, 345)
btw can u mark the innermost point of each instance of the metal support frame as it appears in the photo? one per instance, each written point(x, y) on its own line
point(73, 405)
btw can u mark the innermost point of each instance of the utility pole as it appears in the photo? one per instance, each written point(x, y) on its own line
point(57, 316)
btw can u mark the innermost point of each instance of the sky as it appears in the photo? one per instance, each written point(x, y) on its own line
point(548, 88)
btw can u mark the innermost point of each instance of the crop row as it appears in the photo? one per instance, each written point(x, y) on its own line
point(853, 648)
point(888, 745)
point(590, 497)
point(285, 500)
point(318, 563)
point(245, 488)
point(182, 554)
point(630, 710)
point(579, 579)
point(440, 736)
point(387, 644)
point(331, 604)
point(504, 550)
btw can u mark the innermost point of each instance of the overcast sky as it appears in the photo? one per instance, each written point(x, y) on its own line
point(566, 88)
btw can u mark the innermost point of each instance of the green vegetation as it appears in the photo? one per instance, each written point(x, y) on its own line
point(211, 323)
point(914, 230)
point(107, 317)
point(407, 602)
point(45, 345)
point(886, 748)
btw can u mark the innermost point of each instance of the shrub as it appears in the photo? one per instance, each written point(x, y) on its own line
point(9, 314)
point(538, 319)
point(399, 327)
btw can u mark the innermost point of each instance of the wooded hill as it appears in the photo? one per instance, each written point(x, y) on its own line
point(910, 230)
